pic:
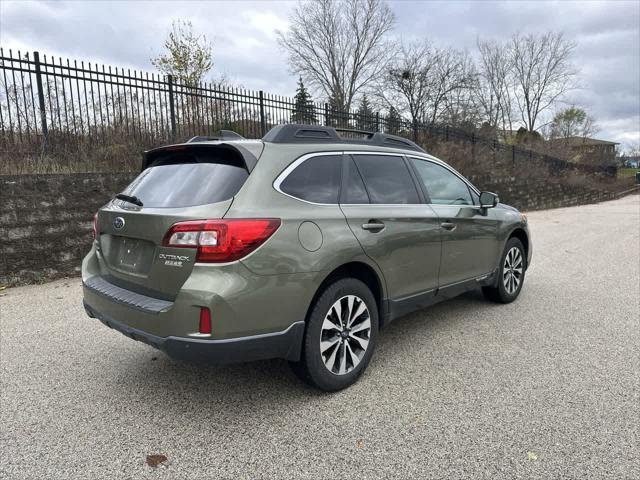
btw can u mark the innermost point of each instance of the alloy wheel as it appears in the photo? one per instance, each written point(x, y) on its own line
point(512, 270)
point(345, 334)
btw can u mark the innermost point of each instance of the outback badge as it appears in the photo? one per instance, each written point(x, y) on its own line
point(173, 260)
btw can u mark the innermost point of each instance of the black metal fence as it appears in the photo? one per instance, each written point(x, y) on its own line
point(49, 105)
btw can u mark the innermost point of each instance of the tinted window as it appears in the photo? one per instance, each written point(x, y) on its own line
point(315, 180)
point(387, 179)
point(188, 178)
point(354, 191)
point(443, 186)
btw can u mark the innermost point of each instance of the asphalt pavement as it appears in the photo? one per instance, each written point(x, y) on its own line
point(547, 387)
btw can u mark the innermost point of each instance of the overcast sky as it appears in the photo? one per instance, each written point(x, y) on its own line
point(246, 52)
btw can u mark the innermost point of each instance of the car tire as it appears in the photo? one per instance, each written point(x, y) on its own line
point(340, 336)
point(511, 273)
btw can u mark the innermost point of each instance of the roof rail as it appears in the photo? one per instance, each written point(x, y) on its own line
point(351, 130)
point(294, 133)
point(224, 135)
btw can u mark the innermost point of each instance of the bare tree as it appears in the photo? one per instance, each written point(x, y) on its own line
point(453, 72)
point(338, 48)
point(459, 106)
point(542, 73)
point(408, 81)
point(494, 91)
point(425, 82)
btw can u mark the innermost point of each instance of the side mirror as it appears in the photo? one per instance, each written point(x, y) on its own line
point(488, 200)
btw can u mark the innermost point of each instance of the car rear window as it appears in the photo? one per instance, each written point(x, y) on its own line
point(184, 179)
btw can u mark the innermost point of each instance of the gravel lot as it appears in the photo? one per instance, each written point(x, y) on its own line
point(547, 387)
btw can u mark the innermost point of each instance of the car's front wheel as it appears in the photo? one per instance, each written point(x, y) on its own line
point(510, 274)
point(340, 336)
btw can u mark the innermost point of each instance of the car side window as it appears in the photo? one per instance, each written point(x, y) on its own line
point(316, 180)
point(387, 179)
point(443, 186)
point(354, 191)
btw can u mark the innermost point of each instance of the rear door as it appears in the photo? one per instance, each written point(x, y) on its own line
point(469, 247)
point(182, 183)
point(387, 215)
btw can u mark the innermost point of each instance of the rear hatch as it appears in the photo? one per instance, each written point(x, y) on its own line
point(184, 182)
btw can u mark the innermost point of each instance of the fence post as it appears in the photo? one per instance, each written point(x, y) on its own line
point(377, 121)
point(172, 108)
point(415, 130)
point(473, 146)
point(263, 121)
point(326, 114)
point(43, 112)
point(513, 154)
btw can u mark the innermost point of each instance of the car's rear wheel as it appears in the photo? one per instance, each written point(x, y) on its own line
point(510, 274)
point(340, 336)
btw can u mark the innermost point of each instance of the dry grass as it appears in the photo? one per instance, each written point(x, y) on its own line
point(114, 150)
point(117, 151)
point(71, 155)
point(481, 162)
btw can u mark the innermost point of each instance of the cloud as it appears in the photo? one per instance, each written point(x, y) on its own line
point(266, 22)
point(128, 34)
point(607, 55)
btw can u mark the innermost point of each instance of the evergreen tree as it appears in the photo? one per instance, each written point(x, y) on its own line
point(394, 121)
point(366, 117)
point(304, 111)
point(337, 118)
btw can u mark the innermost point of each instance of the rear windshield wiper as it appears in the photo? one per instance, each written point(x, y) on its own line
point(130, 199)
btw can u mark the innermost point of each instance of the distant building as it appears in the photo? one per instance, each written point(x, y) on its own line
point(631, 161)
point(586, 150)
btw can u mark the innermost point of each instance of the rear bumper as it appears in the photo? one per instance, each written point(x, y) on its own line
point(285, 344)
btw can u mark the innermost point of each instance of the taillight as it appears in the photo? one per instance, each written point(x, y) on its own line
point(95, 225)
point(221, 240)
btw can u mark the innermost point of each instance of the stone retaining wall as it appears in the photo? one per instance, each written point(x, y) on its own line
point(45, 220)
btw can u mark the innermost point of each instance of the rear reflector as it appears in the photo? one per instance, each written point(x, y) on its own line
point(219, 241)
point(205, 321)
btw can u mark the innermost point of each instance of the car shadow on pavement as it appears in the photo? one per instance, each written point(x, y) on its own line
point(153, 377)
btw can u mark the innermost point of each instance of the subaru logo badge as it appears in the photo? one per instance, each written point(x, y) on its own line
point(118, 223)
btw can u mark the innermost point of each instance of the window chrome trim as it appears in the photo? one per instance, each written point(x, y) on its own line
point(293, 165)
point(386, 154)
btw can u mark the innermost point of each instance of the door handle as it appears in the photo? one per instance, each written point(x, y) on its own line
point(448, 226)
point(373, 226)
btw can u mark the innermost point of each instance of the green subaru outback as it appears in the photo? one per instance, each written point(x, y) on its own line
point(302, 246)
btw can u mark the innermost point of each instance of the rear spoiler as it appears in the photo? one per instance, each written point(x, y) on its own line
point(224, 135)
point(248, 153)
